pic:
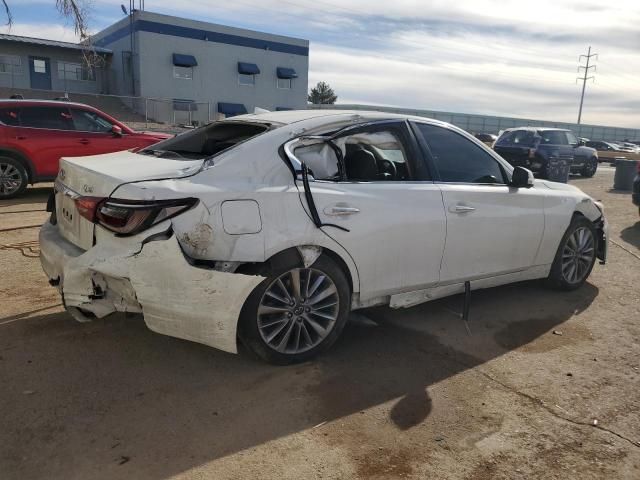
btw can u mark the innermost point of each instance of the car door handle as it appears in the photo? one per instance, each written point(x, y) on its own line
point(21, 137)
point(83, 141)
point(337, 211)
point(461, 209)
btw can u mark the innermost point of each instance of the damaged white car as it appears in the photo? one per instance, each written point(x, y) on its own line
point(270, 228)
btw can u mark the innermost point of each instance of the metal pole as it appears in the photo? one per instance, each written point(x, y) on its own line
point(208, 112)
point(133, 81)
point(584, 85)
point(146, 113)
point(585, 78)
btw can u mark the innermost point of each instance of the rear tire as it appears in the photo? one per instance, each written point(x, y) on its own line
point(296, 313)
point(576, 255)
point(13, 178)
point(589, 168)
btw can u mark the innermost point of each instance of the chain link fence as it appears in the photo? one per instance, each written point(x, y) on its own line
point(491, 124)
point(139, 112)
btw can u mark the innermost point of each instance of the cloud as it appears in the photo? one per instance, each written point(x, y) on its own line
point(501, 57)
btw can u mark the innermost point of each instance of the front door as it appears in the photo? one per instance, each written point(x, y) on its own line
point(492, 229)
point(40, 73)
point(393, 212)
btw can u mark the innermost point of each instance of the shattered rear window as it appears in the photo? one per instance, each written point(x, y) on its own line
point(207, 141)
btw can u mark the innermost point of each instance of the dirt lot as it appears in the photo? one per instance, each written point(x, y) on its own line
point(545, 387)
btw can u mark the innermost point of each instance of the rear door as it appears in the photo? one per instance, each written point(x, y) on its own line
point(492, 229)
point(46, 133)
point(390, 207)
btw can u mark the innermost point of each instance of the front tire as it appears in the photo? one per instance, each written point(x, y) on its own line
point(576, 255)
point(296, 313)
point(13, 178)
point(589, 168)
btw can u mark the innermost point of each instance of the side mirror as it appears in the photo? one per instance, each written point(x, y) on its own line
point(521, 178)
point(581, 143)
point(116, 130)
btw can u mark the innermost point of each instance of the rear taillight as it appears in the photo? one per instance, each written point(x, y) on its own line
point(128, 217)
point(87, 207)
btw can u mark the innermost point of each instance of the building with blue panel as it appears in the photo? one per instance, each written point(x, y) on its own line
point(232, 70)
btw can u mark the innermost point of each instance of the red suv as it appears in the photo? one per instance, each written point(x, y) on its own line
point(34, 134)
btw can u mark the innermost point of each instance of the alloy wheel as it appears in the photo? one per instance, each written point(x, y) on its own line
point(10, 179)
point(298, 310)
point(577, 255)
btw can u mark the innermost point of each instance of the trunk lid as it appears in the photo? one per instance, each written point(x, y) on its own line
point(98, 176)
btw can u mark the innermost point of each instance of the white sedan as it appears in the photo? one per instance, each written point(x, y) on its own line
point(270, 228)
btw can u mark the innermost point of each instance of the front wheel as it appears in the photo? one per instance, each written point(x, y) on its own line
point(295, 314)
point(589, 168)
point(576, 255)
point(13, 178)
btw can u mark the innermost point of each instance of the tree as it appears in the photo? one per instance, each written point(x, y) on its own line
point(74, 10)
point(322, 93)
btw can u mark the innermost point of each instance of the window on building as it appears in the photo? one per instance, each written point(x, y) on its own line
point(39, 66)
point(75, 71)
point(10, 64)
point(184, 73)
point(246, 79)
point(284, 83)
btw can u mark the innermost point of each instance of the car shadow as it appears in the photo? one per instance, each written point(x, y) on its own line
point(631, 235)
point(31, 195)
point(111, 399)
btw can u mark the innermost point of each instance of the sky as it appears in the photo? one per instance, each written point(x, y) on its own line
point(511, 58)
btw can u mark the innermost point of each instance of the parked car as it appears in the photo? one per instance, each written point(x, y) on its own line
point(34, 134)
point(486, 137)
point(635, 196)
point(603, 146)
point(533, 148)
point(271, 227)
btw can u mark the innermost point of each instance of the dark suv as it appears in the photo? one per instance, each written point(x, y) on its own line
point(534, 148)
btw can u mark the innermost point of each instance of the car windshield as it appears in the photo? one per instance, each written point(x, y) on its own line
point(207, 141)
point(523, 138)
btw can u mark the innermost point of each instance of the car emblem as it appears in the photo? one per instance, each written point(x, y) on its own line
point(62, 174)
point(87, 189)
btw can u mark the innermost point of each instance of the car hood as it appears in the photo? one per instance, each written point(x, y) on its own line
point(100, 175)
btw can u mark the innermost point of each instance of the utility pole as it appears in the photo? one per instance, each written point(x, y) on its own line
point(585, 77)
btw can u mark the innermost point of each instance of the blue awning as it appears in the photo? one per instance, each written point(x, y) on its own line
point(286, 73)
point(180, 60)
point(182, 105)
point(231, 109)
point(248, 68)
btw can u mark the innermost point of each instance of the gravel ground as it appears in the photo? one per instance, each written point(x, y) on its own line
point(546, 386)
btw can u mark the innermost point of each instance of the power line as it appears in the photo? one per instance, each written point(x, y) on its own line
point(585, 77)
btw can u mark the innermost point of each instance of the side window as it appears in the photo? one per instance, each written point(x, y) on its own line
point(86, 121)
point(55, 118)
point(553, 137)
point(458, 159)
point(370, 155)
point(571, 138)
point(10, 116)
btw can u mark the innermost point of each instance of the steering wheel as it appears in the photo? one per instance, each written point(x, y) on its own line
point(387, 167)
